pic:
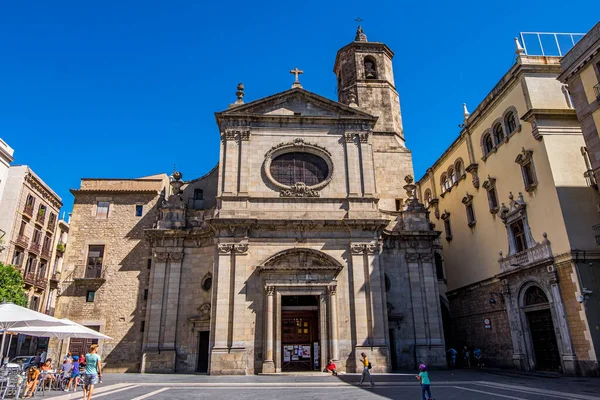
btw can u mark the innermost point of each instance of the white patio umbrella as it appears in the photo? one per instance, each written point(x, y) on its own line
point(13, 316)
point(67, 330)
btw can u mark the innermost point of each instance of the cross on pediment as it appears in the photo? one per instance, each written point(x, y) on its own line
point(296, 72)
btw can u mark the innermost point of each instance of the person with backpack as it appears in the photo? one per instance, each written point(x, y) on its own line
point(365, 372)
point(423, 378)
point(478, 357)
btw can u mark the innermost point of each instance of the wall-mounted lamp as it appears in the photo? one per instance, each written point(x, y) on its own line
point(493, 296)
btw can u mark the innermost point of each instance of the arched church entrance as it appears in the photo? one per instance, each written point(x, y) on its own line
point(541, 329)
point(300, 347)
point(301, 322)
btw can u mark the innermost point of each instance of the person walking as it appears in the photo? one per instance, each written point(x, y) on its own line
point(452, 354)
point(365, 372)
point(466, 357)
point(477, 354)
point(74, 374)
point(93, 372)
point(423, 378)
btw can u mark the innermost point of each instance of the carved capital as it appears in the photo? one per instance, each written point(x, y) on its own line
point(426, 257)
point(161, 256)
point(412, 257)
point(332, 290)
point(372, 248)
point(364, 137)
point(225, 247)
point(349, 137)
point(270, 290)
point(176, 256)
point(357, 248)
point(240, 248)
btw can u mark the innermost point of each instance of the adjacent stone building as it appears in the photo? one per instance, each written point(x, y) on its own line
point(28, 214)
point(303, 244)
point(513, 203)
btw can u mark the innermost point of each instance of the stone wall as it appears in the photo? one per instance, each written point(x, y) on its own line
point(119, 305)
point(469, 307)
point(577, 319)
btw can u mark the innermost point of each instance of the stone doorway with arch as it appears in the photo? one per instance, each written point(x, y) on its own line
point(542, 344)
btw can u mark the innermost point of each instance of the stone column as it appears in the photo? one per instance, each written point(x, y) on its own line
point(155, 301)
point(361, 315)
point(352, 163)
point(244, 165)
point(171, 308)
point(378, 308)
point(222, 305)
point(230, 171)
point(238, 319)
point(333, 322)
point(418, 306)
point(268, 364)
point(569, 359)
point(368, 165)
point(516, 331)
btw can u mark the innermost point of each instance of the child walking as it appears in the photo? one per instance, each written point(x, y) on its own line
point(423, 377)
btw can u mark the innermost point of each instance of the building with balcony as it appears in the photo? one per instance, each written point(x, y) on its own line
point(511, 200)
point(28, 214)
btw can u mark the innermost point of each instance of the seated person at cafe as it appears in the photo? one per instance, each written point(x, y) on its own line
point(46, 368)
point(33, 376)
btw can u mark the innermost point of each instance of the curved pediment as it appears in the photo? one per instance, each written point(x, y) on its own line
point(301, 260)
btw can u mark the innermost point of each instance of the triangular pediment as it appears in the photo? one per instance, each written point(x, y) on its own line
point(296, 103)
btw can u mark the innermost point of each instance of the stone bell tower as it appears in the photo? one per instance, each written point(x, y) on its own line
point(365, 78)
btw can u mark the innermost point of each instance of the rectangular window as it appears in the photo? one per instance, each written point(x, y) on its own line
point(518, 233)
point(493, 199)
point(30, 265)
point(145, 294)
point(102, 209)
point(34, 303)
point(448, 229)
point(198, 194)
point(470, 214)
point(399, 204)
point(139, 209)
point(91, 295)
point(149, 263)
point(22, 228)
point(94, 261)
point(30, 201)
point(17, 258)
point(37, 235)
point(142, 326)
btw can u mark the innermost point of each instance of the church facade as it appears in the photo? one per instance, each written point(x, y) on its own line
point(305, 243)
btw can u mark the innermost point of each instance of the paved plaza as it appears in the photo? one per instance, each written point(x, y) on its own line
point(449, 385)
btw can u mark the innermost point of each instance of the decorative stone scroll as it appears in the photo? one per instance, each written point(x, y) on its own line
point(299, 189)
point(204, 312)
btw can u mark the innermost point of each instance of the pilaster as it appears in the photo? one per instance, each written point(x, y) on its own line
point(352, 164)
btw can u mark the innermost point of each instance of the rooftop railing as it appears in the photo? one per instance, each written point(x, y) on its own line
point(549, 43)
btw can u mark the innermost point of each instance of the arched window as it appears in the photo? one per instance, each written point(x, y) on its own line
point(444, 183)
point(439, 266)
point(510, 122)
point(370, 68)
point(488, 144)
point(291, 168)
point(427, 198)
point(534, 295)
point(459, 168)
point(498, 133)
point(451, 176)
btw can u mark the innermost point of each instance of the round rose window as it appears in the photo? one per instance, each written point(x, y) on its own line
point(291, 168)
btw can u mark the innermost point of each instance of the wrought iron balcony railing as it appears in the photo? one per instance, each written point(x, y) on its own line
point(28, 209)
point(29, 278)
point(35, 248)
point(22, 241)
point(40, 218)
point(46, 252)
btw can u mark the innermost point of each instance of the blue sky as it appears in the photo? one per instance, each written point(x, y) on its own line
point(129, 88)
